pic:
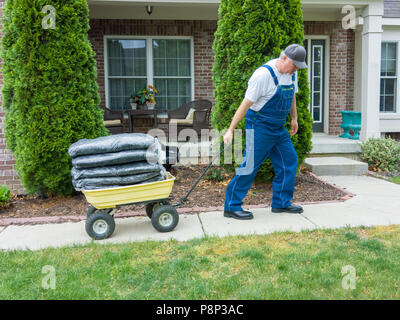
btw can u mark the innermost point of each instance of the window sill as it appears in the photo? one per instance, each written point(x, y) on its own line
point(390, 116)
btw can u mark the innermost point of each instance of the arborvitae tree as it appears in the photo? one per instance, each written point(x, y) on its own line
point(50, 92)
point(249, 34)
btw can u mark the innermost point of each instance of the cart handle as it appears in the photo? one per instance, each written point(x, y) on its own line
point(202, 174)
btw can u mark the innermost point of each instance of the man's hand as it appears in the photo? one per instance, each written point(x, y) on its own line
point(294, 127)
point(228, 136)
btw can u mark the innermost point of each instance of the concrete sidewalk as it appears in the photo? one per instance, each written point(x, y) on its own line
point(376, 202)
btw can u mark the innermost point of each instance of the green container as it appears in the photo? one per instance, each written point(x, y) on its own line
point(351, 120)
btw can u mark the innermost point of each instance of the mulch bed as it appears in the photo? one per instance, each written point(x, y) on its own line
point(208, 193)
point(388, 176)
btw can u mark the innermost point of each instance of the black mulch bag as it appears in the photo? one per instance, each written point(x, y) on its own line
point(109, 144)
point(102, 182)
point(107, 159)
point(116, 171)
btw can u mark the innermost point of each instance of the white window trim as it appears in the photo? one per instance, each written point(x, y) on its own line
point(327, 73)
point(390, 115)
point(321, 76)
point(149, 56)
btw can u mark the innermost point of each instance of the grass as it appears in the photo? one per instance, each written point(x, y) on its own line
point(395, 180)
point(306, 265)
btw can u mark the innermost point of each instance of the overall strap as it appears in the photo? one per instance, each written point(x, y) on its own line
point(272, 74)
point(294, 76)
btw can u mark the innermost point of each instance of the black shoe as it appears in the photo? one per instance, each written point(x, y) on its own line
point(291, 209)
point(240, 215)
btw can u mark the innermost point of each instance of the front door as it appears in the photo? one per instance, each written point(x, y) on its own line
point(316, 74)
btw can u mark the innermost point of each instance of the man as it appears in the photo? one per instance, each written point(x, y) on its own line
point(269, 98)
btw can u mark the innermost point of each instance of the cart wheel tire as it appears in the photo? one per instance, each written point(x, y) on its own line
point(165, 218)
point(150, 207)
point(90, 211)
point(100, 225)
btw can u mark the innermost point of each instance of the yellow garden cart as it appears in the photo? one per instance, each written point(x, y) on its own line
point(164, 217)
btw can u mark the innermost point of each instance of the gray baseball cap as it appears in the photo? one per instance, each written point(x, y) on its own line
point(298, 54)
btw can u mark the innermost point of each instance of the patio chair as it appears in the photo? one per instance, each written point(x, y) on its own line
point(193, 115)
point(114, 121)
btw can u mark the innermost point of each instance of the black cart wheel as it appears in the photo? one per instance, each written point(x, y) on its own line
point(165, 218)
point(100, 225)
point(90, 211)
point(150, 207)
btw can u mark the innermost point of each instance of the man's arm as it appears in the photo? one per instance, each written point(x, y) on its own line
point(293, 115)
point(293, 110)
point(239, 115)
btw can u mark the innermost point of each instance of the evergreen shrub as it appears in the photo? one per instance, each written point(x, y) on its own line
point(50, 92)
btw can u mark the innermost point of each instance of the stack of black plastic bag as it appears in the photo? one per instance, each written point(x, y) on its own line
point(116, 160)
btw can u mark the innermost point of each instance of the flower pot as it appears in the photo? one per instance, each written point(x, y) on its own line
point(150, 106)
point(133, 106)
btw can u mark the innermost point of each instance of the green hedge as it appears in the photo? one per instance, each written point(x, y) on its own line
point(50, 92)
point(249, 34)
point(381, 154)
point(5, 195)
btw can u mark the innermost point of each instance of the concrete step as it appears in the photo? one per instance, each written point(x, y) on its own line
point(333, 144)
point(336, 166)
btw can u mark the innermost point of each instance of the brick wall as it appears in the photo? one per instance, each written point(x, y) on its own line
point(8, 175)
point(341, 77)
point(203, 37)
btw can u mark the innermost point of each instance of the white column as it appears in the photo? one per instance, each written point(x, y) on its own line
point(358, 67)
point(370, 71)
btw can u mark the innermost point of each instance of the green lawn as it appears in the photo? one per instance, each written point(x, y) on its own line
point(306, 265)
point(395, 180)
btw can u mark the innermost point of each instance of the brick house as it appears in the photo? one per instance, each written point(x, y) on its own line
point(169, 44)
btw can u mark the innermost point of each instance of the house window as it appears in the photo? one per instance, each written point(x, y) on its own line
point(388, 77)
point(132, 64)
point(317, 83)
point(172, 72)
point(127, 71)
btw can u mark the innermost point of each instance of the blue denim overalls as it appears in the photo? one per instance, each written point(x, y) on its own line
point(271, 139)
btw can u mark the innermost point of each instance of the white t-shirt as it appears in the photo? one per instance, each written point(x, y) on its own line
point(261, 86)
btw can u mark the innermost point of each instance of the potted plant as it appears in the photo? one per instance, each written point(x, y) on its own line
point(144, 97)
